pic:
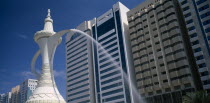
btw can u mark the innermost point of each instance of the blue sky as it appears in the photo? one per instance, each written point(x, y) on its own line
point(20, 19)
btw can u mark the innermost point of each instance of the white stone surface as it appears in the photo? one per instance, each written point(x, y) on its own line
point(46, 91)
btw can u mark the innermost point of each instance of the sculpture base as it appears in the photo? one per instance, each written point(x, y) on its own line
point(46, 95)
point(46, 101)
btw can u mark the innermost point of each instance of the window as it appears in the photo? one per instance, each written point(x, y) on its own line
point(112, 92)
point(150, 53)
point(144, 20)
point(163, 72)
point(195, 42)
point(105, 65)
point(105, 27)
point(199, 57)
point(204, 73)
point(156, 83)
point(160, 57)
point(197, 50)
point(191, 28)
point(107, 37)
point(140, 29)
point(112, 86)
point(152, 60)
point(156, 43)
point(111, 45)
point(83, 75)
point(77, 98)
point(85, 69)
point(174, 78)
point(80, 92)
point(205, 15)
point(186, 8)
point(207, 30)
point(153, 22)
point(145, 26)
point(107, 42)
point(187, 15)
point(110, 74)
point(149, 46)
point(202, 65)
point(74, 36)
point(158, 50)
point(203, 8)
point(155, 75)
point(184, 2)
point(144, 63)
point(71, 43)
point(147, 39)
point(112, 98)
point(200, 1)
point(162, 25)
point(78, 87)
point(78, 82)
point(110, 80)
point(155, 35)
point(189, 21)
point(193, 35)
point(108, 69)
point(160, 19)
point(206, 82)
point(206, 22)
point(164, 81)
point(161, 65)
point(154, 29)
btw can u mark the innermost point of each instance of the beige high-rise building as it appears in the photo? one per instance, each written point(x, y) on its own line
point(15, 94)
point(163, 59)
point(80, 74)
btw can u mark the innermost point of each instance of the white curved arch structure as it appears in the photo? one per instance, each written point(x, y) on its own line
point(33, 64)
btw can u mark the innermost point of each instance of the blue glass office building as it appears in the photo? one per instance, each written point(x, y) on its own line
point(197, 19)
point(111, 64)
point(26, 89)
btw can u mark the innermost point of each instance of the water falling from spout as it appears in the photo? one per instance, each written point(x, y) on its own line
point(136, 95)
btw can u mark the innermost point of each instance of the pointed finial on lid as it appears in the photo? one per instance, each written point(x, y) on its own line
point(48, 15)
point(48, 22)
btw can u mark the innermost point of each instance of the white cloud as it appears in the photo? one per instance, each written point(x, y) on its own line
point(59, 74)
point(22, 36)
point(27, 74)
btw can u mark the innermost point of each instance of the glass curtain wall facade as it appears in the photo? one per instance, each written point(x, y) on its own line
point(197, 19)
point(26, 89)
point(110, 57)
point(163, 59)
